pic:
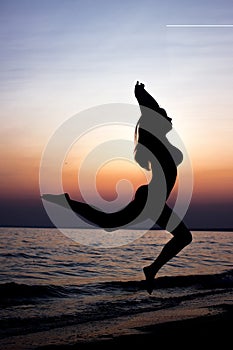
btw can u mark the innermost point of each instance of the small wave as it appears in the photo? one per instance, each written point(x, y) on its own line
point(13, 293)
point(211, 281)
point(18, 255)
point(12, 290)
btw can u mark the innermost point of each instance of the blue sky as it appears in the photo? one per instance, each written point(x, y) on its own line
point(73, 50)
point(59, 57)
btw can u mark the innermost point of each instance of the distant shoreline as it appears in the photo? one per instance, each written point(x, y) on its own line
point(133, 228)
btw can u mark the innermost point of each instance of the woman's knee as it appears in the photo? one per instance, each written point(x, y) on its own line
point(185, 236)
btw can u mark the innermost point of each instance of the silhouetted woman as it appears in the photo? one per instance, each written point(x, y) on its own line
point(153, 152)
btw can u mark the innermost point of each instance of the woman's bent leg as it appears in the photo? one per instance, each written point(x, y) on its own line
point(181, 238)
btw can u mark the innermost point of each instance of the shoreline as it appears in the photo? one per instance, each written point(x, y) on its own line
point(205, 320)
point(211, 329)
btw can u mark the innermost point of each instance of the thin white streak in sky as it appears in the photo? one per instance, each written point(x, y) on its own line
point(199, 25)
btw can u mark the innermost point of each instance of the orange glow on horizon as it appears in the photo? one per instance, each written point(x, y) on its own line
point(20, 174)
point(213, 185)
point(212, 172)
point(20, 178)
point(106, 180)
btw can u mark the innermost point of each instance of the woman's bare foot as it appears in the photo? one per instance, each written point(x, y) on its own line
point(149, 275)
point(60, 199)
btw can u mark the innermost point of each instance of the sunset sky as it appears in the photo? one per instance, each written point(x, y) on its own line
point(61, 57)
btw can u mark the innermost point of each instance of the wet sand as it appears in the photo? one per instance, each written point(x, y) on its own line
point(180, 328)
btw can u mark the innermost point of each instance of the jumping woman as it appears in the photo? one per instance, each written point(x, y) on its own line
point(153, 152)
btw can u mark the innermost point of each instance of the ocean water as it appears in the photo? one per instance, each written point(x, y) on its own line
point(48, 281)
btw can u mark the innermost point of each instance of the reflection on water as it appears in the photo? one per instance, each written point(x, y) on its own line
point(50, 283)
point(42, 256)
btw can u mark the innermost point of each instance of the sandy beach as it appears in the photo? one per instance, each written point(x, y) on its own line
point(204, 321)
point(210, 329)
point(209, 321)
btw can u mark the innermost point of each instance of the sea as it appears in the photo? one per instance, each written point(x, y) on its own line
point(50, 282)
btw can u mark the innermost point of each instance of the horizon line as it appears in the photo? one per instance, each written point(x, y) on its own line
point(191, 228)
